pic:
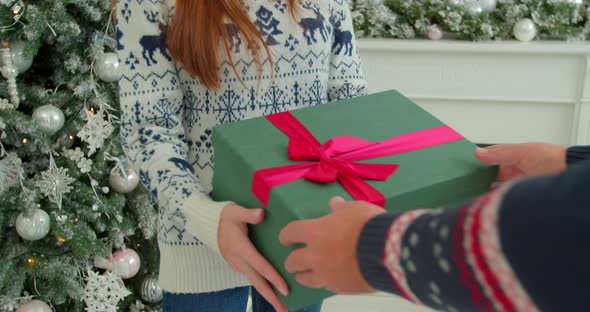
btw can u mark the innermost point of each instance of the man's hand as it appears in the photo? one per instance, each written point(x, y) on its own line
point(329, 259)
point(522, 160)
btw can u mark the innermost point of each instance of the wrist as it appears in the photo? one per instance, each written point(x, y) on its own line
point(370, 252)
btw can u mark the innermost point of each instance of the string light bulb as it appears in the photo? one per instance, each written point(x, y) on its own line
point(61, 240)
point(92, 110)
point(25, 140)
point(32, 261)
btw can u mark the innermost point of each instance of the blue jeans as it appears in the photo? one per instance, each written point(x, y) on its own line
point(229, 300)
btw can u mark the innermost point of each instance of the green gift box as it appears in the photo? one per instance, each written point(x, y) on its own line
point(427, 177)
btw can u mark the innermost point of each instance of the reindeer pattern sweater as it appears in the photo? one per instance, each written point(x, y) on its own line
point(167, 116)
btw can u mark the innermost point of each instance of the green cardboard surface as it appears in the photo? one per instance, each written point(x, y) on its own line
point(427, 178)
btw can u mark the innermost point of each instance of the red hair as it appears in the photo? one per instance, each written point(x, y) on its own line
point(197, 28)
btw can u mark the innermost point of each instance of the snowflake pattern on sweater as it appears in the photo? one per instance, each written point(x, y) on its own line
point(167, 116)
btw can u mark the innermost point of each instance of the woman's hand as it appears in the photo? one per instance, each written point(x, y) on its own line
point(242, 256)
point(522, 160)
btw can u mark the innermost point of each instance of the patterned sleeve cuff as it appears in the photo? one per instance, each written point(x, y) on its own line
point(370, 252)
point(577, 154)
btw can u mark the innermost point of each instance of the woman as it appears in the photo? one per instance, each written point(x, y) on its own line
point(228, 60)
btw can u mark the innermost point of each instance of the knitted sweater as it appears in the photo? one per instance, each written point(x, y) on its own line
point(167, 116)
point(522, 247)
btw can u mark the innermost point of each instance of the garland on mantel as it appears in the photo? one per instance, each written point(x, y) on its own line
point(474, 20)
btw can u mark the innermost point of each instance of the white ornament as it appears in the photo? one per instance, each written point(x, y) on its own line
point(49, 118)
point(85, 165)
point(103, 292)
point(123, 183)
point(435, 32)
point(96, 130)
point(10, 72)
point(488, 5)
point(107, 67)
point(33, 227)
point(55, 183)
point(525, 30)
point(150, 289)
point(474, 7)
point(20, 59)
point(34, 306)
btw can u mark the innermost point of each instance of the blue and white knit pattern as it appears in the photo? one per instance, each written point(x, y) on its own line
point(167, 116)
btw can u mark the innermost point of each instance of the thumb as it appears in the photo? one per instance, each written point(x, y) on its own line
point(337, 203)
point(506, 154)
point(251, 216)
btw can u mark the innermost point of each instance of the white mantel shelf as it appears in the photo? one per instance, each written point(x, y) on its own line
point(493, 92)
point(509, 46)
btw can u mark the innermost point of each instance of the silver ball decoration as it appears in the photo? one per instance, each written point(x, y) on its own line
point(33, 227)
point(20, 59)
point(121, 183)
point(49, 118)
point(107, 67)
point(34, 306)
point(150, 290)
point(474, 7)
point(525, 30)
point(488, 5)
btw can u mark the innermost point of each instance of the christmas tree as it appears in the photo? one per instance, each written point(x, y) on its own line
point(77, 232)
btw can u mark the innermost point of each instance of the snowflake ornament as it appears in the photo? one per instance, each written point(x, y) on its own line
point(96, 130)
point(11, 171)
point(55, 183)
point(103, 292)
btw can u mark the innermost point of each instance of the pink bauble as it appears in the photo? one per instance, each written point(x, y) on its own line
point(128, 260)
point(435, 32)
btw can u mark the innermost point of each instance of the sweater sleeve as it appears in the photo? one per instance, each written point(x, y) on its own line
point(577, 154)
point(347, 78)
point(152, 110)
point(518, 248)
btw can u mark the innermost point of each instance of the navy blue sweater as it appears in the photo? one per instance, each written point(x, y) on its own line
point(521, 247)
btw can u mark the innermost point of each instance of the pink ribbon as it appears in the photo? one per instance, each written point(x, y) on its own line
point(335, 160)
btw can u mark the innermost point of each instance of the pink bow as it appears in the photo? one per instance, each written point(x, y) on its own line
point(335, 160)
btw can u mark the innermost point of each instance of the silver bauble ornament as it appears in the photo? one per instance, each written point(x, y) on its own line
point(121, 183)
point(435, 32)
point(33, 227)
point(150, 290)
point(34, 306)
point(107, 67)
point(525, 30)
point(20, 59)
point(127, 261)
point(49, 118)
point(474, 7)
point(488, 5)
